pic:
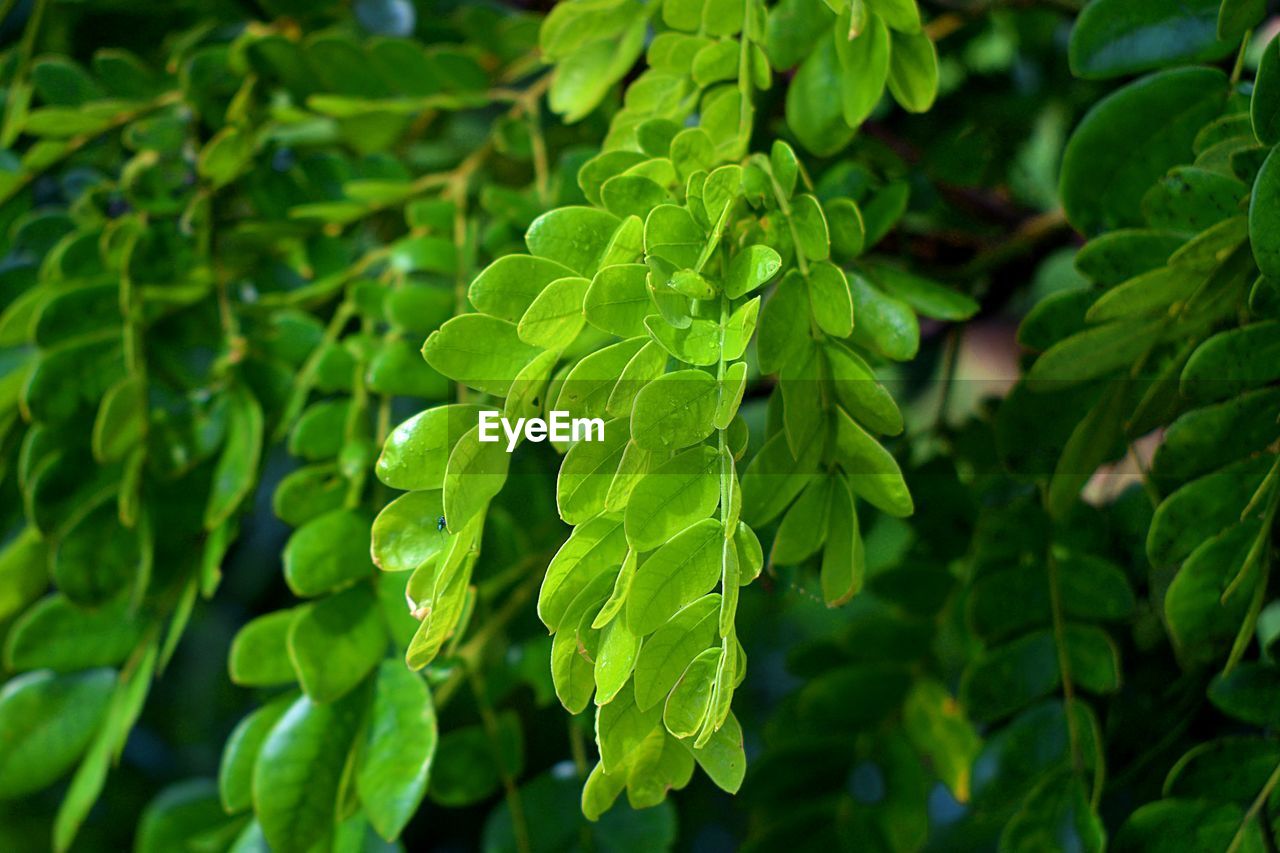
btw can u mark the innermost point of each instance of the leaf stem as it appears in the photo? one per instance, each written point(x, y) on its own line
point(1064, 664)
point(1238, 69)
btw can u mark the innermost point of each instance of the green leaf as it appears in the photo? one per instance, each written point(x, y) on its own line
point(327, 553)
point(576, 644)
point(844, 560)
point(1202, 508)
point(1264, 106)
point(1094, 440)
point(804, 527)
point(96, 556)
point(526, 399)
point(1190, 824)
point(617, 301)
point(784, 325)
point(618, 596)
point(442, 595)
point(750, 554)
point(686, 567)
point(1098, 351)
point(507, 287)
point(901, 15)
point(1131, 138)
point(260, 653)
point(182, 811)
point(792, 29)
point(1264, 216)
point(406, 534)
point(1202, 625)
point(575, 237)
point(615, 658)
point(749, 269)
point(237, 468)
point(830, 299)
point(669, 650)
point(1193, 444)
point(621, 727)
point(649, 362)
point(1006, 602)
point(913, 71)
point(555, 318)
point(1009, 677)
point(594, 548)
point(397, 369)
point(319, 432)
point(1228, 768)
point(858, 392)
point(1233, 362)
point(56, 634)
point(121, 421)
point(600, 168)
point(587, 472)
point(225, 156)
point(1112, 38)
point(240, 755)
point(90, 777)
point(775, 477)
point(885, 324)
point(814, 116)
point(732, 388)
point(65, 122)
point(479, 351)
point(399, 744)
point(299, 772)
point(475, 473)
point(1191, 199)
point(424, 254)
point(632, 195)
point(864, 65)
point(811, 235)
point(692, 150)
point(687, 706)
point(24, 571)
point(942, 734)
point(1237, 17)
point(416, 452)
point(673, 496)
point(872, 472)
point(466, 768)
point(335, 642)
point(804, 419)
point(582, 79)
point(1150, 293)
point(785, 166)
point(1059, 800)
point(46, 722)
point(1245, 693)
point(671, 233)
point(927, 297)
point(698, 343)
point(674, 411)
point(723, 757)
point(589, 385)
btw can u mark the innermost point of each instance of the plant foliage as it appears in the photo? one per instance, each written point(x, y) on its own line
point(264, 586)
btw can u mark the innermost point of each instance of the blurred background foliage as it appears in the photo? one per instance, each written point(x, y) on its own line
point(928, 713)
